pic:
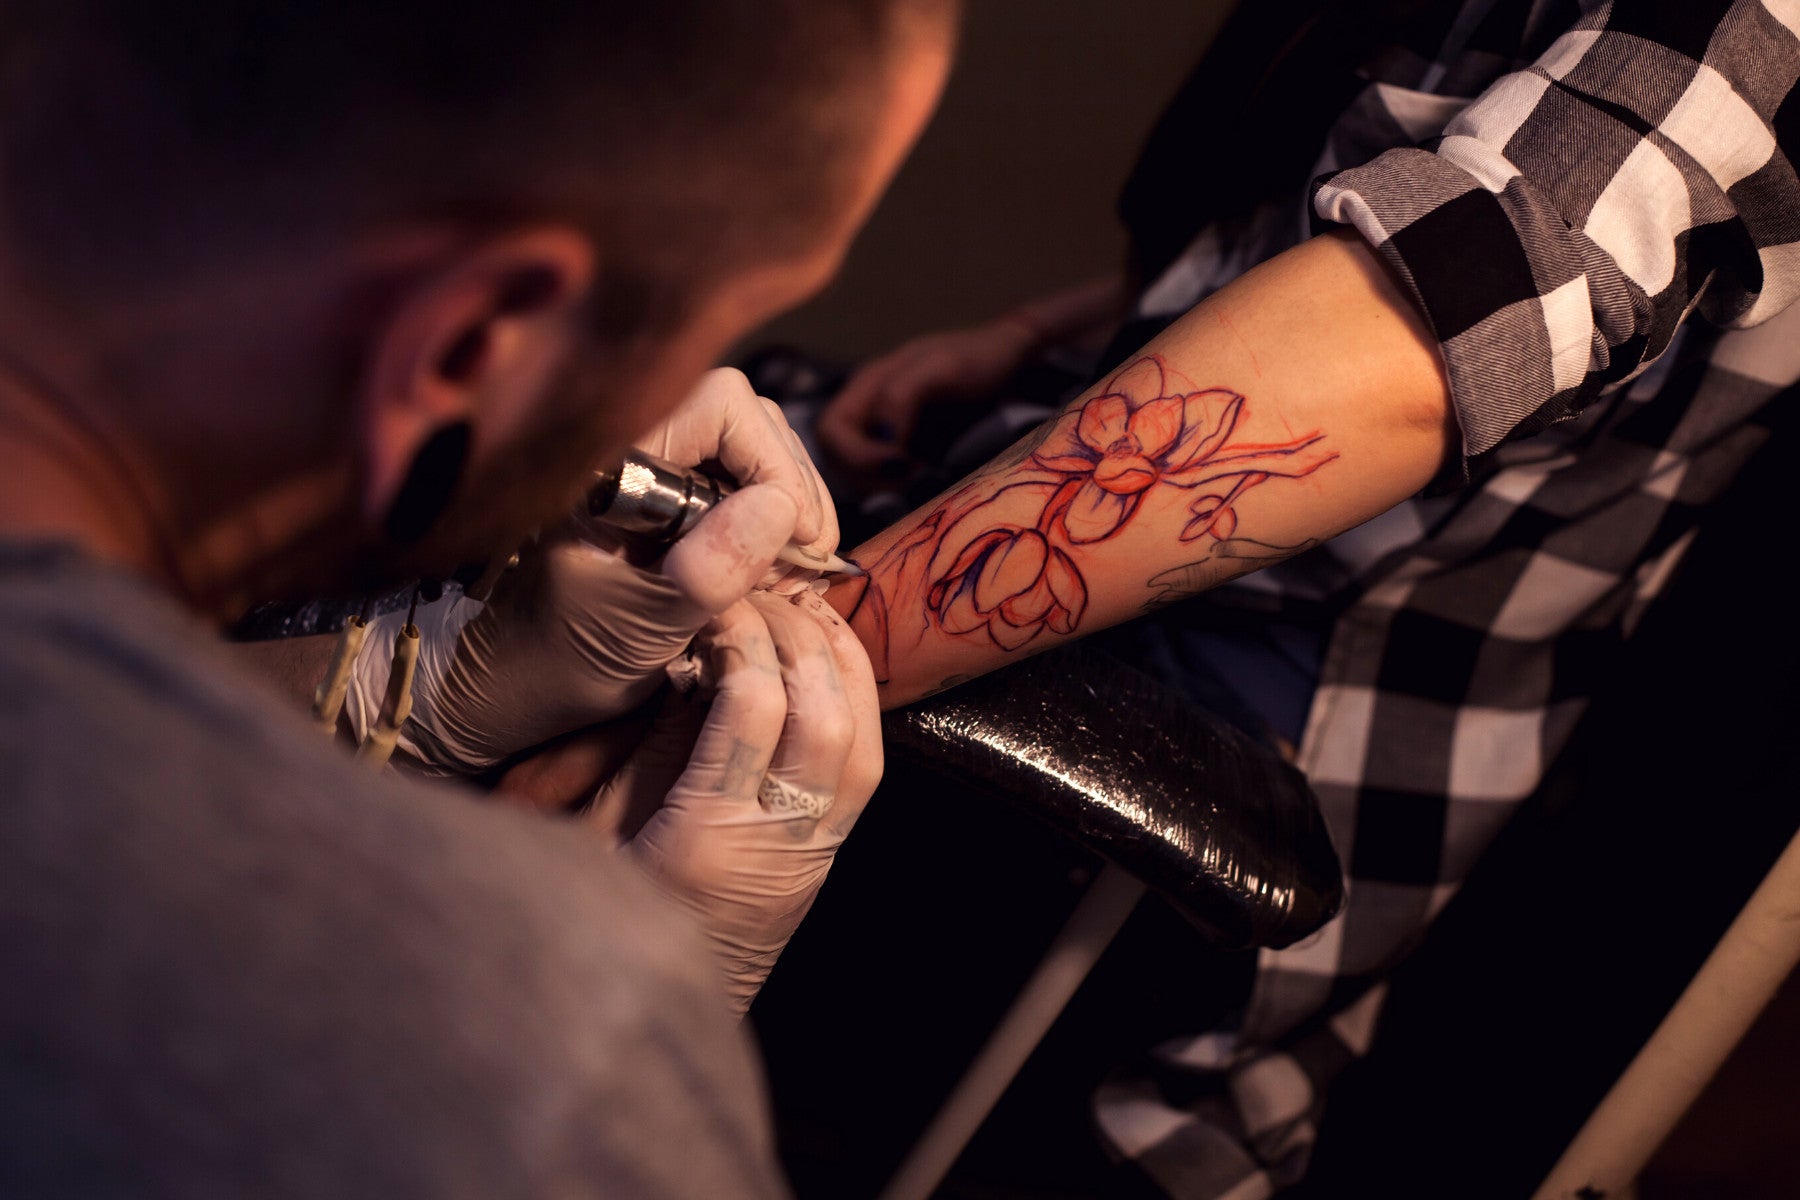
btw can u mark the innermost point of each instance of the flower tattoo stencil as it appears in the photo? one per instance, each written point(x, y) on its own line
point(969, 574)
point(1011, 582)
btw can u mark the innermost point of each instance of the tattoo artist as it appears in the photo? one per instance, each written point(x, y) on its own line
point(317, 298)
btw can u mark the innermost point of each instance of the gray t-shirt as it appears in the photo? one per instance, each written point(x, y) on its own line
point(234, 963)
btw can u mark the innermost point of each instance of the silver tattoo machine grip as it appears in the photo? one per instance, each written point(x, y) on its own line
point(650, 498)
point(659, 502)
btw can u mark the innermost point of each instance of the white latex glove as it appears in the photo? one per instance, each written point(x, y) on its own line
point(724, 419)
point(750, 793)
point(577, 635)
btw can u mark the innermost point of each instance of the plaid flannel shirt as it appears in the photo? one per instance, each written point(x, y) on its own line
point(1597, 209)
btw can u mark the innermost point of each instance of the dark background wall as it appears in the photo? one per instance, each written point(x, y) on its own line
point(1010, 192)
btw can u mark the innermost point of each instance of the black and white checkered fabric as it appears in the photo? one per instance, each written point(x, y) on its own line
point(1597, 208)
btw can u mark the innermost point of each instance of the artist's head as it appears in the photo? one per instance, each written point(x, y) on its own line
point(308, 256)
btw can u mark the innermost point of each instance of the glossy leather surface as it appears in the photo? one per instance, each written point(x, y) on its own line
point(1217, 823)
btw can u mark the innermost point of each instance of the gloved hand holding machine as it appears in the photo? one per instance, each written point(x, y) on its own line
point(733, 796)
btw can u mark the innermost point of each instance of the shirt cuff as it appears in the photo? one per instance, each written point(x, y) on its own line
point(1516, 337)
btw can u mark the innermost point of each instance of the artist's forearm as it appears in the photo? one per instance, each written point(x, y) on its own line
point(1300, 401)
point(293, 664)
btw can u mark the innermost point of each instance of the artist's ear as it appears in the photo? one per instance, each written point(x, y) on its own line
point(458, 366)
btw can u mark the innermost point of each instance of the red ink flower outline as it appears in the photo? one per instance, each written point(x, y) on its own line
point(1010, 581)
point(1120, 446)
point(1013, 583)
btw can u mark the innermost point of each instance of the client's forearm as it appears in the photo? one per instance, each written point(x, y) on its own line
point(1303, 399)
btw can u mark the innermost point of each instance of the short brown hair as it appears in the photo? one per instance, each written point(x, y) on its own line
point(135, 131)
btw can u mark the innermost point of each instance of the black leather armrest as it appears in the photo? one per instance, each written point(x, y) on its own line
point(1216, 823)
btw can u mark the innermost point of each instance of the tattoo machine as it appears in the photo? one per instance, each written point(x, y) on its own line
point(660, 502)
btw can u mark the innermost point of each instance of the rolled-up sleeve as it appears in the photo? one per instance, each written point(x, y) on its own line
point(1567, 221)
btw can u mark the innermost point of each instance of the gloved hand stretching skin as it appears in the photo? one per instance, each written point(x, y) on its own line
point(737, 801)
point(577, 635)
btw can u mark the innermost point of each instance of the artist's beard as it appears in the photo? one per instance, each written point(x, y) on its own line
point(531, 485)
point(605, 394)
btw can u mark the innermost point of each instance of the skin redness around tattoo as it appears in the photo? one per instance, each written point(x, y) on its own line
point(1005, 557)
